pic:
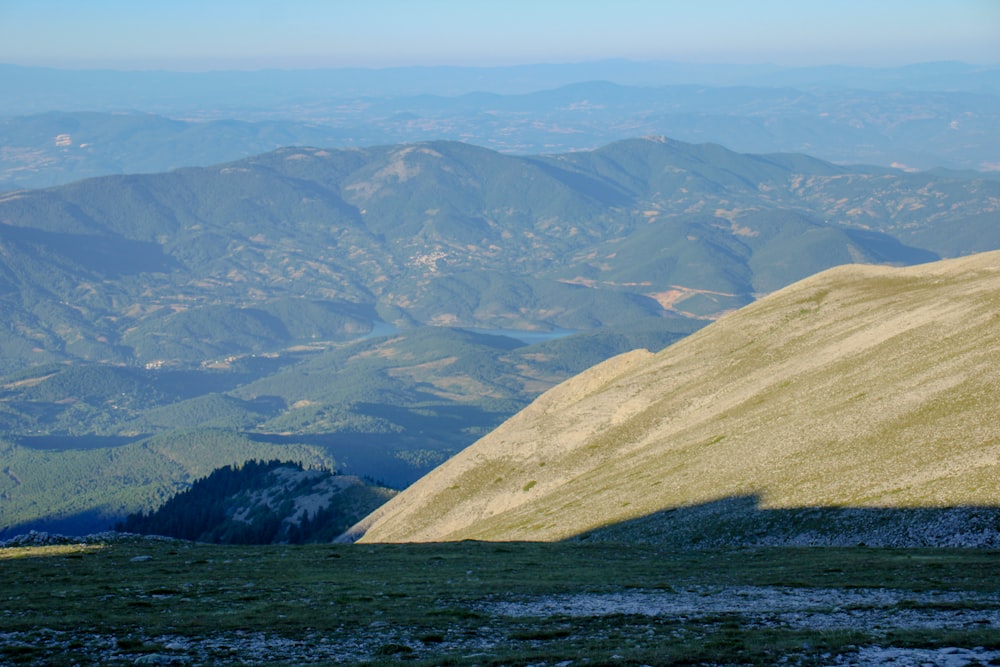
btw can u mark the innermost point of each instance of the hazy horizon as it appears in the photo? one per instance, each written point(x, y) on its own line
point(307, 34)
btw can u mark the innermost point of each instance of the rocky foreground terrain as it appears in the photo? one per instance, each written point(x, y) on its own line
point(759, 608)
point(121, 599)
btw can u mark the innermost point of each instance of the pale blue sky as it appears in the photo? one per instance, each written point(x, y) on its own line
point(252, 34)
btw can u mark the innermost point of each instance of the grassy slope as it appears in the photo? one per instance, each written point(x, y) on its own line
point(861, 386)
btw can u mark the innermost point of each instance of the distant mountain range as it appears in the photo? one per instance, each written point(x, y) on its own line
point(302, 245)
point(229, 93)
point(365, 309)
point(855, 406)
point(64, 126)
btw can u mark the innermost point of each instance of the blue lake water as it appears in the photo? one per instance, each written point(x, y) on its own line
point(529, 337)
point(525, 336)
point(381, 328)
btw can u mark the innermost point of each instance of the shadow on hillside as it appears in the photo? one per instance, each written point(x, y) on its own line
point(741, 521)
point(382, 458)
point(109, 256)
point(63, 443)
point(82, 523)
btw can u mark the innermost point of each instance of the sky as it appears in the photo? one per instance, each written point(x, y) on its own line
point(197, 35)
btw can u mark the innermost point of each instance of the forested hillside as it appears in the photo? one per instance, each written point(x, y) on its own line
point(307, 245)
point(262, 503)
point(384, 307)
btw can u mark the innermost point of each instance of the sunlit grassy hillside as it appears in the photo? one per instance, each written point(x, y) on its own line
point(862, 386)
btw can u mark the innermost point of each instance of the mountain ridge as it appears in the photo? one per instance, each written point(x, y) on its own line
point(918, 117)
point(261, 503)
point(252, 295)
point(789, 399)
point(595, 239)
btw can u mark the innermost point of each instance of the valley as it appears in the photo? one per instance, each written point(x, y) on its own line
point(523, 334)
point(325, 305)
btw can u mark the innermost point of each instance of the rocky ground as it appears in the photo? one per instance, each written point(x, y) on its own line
point(791, 609)
point(118, 599)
